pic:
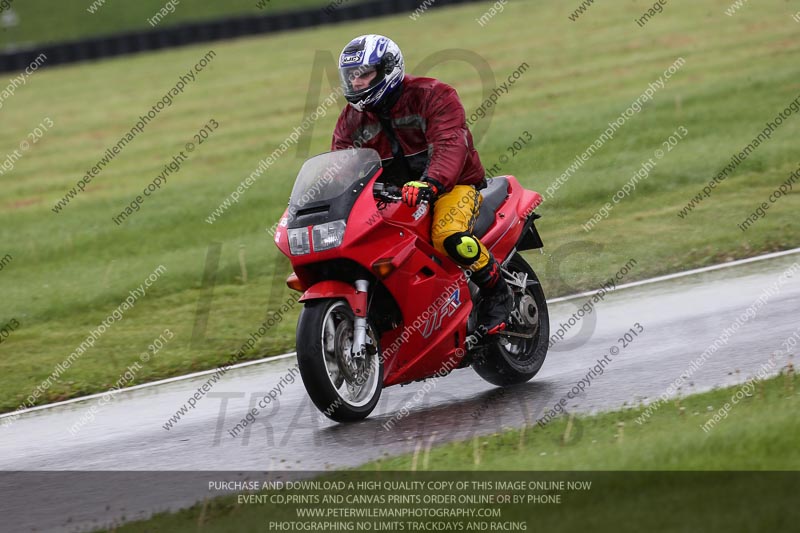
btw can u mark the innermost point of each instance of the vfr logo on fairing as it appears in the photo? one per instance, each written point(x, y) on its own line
point(448, 308)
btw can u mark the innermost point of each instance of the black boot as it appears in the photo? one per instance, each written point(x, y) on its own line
point(497, 301)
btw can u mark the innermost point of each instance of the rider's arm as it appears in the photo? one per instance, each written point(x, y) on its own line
point(447, 134)
point(342, 136)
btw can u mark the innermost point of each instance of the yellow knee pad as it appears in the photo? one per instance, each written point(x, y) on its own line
point(462, 247)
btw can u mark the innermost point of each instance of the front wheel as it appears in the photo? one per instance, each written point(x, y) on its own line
point(511, 359)
point(343, 388)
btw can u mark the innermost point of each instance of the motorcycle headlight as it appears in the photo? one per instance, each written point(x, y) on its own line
point(298, 241)
point(327, 236)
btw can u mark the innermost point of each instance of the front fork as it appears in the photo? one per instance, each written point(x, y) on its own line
point(359, 349)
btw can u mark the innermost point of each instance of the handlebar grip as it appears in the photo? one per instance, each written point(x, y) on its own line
point(388, 192)
point(391, 193)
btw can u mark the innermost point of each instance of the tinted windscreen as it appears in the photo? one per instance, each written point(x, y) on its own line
point(328, 175)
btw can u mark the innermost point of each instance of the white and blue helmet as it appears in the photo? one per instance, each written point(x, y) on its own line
point(363, 55)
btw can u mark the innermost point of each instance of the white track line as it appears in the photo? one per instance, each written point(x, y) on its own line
point(292, 354)
point(684, 274)
point(146, 385)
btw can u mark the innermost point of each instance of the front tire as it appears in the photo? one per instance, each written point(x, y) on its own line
point(509, 360)
point(343, 389)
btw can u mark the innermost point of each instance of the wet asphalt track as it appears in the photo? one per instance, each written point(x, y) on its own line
point(681, 318)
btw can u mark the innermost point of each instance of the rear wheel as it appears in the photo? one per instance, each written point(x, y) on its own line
point(511, 358)
point(343, 388)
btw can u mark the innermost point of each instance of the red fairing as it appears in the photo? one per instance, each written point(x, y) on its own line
point(430, 290)
point(530, 201)
point(324, 289)
point(510, 219)
point(428, 115)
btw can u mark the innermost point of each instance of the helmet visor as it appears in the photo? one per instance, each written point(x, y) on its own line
point(358, 80)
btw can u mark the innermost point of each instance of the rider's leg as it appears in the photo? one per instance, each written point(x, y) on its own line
point(454, 216)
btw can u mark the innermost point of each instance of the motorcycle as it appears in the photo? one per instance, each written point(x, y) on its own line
point(382, 307)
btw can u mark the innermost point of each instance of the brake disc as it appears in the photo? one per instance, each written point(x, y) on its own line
point(528, 312)
point(343, 346)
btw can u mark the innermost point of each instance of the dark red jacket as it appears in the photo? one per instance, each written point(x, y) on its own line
point(430, 125)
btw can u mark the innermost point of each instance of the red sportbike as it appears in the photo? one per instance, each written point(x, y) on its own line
point(381, 306)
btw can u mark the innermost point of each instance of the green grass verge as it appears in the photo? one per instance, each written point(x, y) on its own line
point(760, 433)
point(70, 270)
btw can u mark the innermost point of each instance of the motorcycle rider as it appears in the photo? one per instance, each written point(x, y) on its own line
point(418, 126)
